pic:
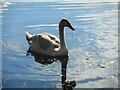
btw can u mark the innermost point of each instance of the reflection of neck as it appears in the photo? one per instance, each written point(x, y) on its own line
point(61, 36)
point(64, 62)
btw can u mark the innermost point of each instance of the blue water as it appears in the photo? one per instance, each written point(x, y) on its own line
point(93, 45)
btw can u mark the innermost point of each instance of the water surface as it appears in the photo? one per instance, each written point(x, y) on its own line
point(93, 48)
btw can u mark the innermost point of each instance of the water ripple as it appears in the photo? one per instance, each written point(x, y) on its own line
point(43, 25)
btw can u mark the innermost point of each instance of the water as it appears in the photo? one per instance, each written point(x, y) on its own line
point(93, 49)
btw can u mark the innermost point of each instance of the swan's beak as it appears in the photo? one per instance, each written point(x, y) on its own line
point(70, 26)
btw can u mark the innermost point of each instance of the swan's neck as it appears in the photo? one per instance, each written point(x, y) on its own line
point(61, 35)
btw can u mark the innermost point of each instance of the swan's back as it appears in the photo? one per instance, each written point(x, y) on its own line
point(44, 43)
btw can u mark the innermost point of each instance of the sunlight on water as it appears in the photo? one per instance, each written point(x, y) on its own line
point(44, 25)
point(93, 47)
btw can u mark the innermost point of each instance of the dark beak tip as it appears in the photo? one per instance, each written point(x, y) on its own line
point(73, 29)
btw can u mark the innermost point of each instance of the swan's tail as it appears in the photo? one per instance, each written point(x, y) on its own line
point(28, 37)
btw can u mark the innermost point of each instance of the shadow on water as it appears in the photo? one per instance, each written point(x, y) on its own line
point(91, 79)
point(42, 59)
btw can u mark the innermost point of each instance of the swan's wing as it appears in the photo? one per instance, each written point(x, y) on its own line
point(53, 38)
point(45, 41)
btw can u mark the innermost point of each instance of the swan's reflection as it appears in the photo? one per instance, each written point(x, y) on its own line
point(42, 59)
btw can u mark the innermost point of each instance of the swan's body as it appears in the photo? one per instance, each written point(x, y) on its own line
point(48, 44)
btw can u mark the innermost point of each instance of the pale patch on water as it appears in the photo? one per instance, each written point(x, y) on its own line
point(43, 25)
point(68, 8)
point(85, 18)
point(89, 68)
point(11, 46)
point(4, 4)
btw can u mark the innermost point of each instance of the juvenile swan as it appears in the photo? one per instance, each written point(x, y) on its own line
point(48, 44)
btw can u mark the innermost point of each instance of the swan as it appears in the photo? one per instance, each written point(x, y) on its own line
point(48, 44)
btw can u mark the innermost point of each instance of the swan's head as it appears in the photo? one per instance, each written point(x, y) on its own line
point(65, 23)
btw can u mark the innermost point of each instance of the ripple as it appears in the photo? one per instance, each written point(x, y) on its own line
point(43, 25)
point(91, 80)
point(7, 45)
point(68, 8)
